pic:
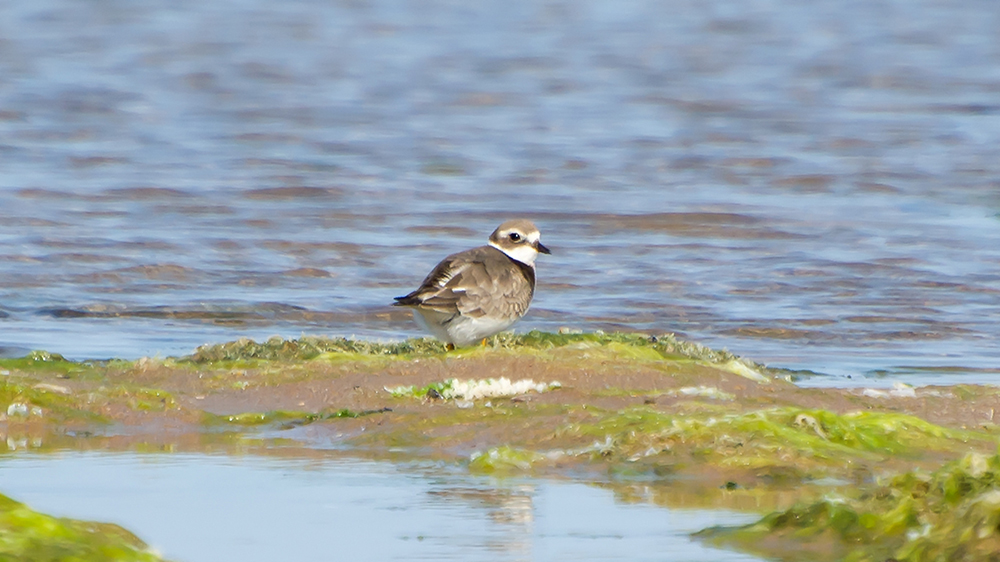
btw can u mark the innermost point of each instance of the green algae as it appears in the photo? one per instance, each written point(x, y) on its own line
point(703, 434)
point(45, 396)
point(432, 390)
point(807, 442)
point(306, 348)
point(504, 459)
point(48, 363)
point(284, 418)
point(951, 514)
point(627, 346)
point(43, 402)
point(57, 404)
point(28, 535)
point(139, 398)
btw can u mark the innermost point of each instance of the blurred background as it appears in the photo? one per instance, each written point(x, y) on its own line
point(815, 186)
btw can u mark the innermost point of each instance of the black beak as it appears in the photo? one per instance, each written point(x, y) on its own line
point(542, 249)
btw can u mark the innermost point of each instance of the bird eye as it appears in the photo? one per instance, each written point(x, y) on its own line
point(514, 237)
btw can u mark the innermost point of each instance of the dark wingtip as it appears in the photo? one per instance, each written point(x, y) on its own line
point(407, 300)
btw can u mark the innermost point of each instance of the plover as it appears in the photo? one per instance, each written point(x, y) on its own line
point(474, 294)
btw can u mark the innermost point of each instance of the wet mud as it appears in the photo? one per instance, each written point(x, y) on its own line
point(701, 426)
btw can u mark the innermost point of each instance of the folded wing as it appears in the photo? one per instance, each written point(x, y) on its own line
point(475, 283)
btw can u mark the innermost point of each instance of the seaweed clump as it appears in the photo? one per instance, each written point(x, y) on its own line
point(504, 459)
point(791, 442)
point(310, 347)
point(26, 534)
point(952, 514)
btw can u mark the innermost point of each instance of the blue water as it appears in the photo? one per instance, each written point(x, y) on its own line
point(207, 508)
point(814, 187)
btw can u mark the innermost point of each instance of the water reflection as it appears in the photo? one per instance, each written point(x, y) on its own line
point(508, 505)
point(198, 507)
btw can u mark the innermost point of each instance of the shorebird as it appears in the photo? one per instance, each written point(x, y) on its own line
point(474, 294)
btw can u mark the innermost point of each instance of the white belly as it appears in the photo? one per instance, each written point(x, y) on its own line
point(462, 330)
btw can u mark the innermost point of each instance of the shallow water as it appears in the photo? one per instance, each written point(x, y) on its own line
point(197, 507)
point(814, 187)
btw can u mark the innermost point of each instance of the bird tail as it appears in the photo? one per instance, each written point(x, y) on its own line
point(408, 300)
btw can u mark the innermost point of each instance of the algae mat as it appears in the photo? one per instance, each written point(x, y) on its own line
point(26, 534)
point(733, 433)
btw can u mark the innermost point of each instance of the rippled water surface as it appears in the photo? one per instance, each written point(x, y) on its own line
point(194, 507)
point(815, 187)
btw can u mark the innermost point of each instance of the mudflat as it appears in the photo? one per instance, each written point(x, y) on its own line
point(622, 408)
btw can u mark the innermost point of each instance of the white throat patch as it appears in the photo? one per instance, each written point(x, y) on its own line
point(523, 253)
